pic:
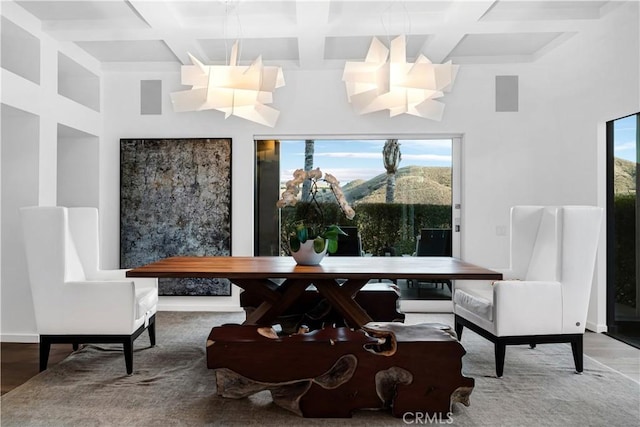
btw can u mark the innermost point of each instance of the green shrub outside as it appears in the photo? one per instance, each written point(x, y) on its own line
point(397, 225)
point(379, 224)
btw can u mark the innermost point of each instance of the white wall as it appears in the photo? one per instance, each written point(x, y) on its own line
point(32, 111)
point(599, 82)
point(550, 152)
point(20, 136)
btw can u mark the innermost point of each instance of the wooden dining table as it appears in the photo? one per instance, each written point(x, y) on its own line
point(280, 281)
point(335, 370)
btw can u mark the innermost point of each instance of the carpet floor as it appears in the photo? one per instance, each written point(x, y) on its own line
point(171, 386)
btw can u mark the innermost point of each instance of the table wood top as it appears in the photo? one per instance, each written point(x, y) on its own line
point(332, 267)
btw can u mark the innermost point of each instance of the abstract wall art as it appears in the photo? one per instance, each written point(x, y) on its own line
point(175, 199)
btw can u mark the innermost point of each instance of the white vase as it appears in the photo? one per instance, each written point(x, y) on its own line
point(306, 255)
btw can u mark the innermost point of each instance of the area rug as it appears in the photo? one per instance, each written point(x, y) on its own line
point(171, 386)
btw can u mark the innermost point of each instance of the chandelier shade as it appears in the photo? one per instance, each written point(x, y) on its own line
point(241, 91)
point(386, 81)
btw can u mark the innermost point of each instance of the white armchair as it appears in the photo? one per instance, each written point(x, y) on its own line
point(74, 300)
point(545, 293)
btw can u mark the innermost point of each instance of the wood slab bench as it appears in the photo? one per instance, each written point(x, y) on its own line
point(334, 371)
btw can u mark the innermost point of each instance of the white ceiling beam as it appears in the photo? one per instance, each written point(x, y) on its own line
point(181, 26)
point(312, 20)
point(505, 27)
point(465, 15)
point(158, 15)
point(81, 32)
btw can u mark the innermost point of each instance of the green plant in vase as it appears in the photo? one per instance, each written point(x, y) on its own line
point(314, 226)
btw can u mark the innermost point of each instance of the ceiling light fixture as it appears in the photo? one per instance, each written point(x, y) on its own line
point(235, 90)
point(386, 81)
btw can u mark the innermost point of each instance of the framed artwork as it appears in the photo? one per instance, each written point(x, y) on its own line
point(175, 199)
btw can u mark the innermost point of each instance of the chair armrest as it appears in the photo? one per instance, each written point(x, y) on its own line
point(105, 275)
point(507, 273)
point(145, 282)
point(527, 307)
point(102, 304)
point(121, 274)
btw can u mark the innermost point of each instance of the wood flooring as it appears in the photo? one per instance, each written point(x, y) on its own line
point(20, 361)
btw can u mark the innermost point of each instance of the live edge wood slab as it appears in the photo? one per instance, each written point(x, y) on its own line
point(337, 279)
point(331, 372)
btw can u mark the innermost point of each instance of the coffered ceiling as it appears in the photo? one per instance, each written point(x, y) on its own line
point(312, 34)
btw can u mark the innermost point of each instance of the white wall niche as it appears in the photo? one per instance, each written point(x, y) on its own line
point(20, 51)
point(78, 168)
point(77, 83)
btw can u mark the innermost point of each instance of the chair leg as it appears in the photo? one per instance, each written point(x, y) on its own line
point(128, 354)
point(449, 285)
point(152, 332)
point(500, 350)
point(45, 348)
point(75, 346)
point(458, 328)
point(577, 349)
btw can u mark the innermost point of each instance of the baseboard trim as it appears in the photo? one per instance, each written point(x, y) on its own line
point(426, 306)
point(232, 305)
point(596, 327)
point(168, 306)
point(20, 338)
point(198, 303)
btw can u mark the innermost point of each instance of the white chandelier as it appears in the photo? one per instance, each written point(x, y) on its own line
point(397, 85)
point(235, 90)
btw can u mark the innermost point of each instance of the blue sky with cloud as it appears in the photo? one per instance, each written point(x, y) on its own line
point(349, 159)
point(624, 131)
